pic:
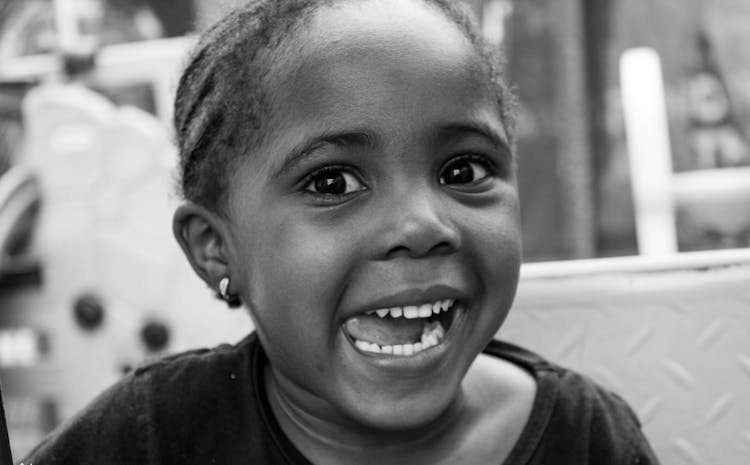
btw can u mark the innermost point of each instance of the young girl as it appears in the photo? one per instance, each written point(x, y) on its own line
point(349, 175)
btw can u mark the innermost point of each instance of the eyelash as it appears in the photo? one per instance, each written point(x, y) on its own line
point(307, 180)
point(488, 164)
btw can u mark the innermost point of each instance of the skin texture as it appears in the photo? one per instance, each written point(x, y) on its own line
point(388, 99)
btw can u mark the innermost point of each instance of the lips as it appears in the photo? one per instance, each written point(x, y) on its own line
point(401, 330)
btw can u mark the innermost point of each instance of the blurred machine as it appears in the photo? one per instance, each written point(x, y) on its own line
point(91, 281)
point(679, 210)
point(89, 273)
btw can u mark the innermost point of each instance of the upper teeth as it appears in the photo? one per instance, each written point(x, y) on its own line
point(414, 311)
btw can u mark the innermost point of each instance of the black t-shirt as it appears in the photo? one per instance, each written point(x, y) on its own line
point(209, 406)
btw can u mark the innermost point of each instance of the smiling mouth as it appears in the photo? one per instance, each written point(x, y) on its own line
point(402, 331)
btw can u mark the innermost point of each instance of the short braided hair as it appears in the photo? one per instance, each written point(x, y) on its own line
point(221, 106)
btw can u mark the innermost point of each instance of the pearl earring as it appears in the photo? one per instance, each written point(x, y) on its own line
point(224, 288)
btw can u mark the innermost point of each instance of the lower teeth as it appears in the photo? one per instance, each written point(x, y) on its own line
point(432, 335)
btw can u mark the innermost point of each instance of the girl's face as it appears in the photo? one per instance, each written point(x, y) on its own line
point(385, 182)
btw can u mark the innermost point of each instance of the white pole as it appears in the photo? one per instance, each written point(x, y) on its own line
point(67, 24)
point(649, 152)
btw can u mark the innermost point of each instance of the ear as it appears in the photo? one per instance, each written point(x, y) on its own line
point(203, 237)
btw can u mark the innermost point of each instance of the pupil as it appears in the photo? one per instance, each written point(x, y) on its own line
point(330, 184)
point(460, 174)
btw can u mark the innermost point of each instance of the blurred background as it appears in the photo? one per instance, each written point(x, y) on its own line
point(634, 125)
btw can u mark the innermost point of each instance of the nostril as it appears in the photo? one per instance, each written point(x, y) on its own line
point(399, 251)
point(441, 248)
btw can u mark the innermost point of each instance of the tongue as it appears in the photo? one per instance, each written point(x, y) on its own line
point(385, 331)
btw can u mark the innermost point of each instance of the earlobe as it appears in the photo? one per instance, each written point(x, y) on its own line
point(203, 239)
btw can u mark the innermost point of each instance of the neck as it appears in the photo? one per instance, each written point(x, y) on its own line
point(325, 436)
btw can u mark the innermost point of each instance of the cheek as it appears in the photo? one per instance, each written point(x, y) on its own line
point(297, 274)
point(494, 248)
point(496, 225)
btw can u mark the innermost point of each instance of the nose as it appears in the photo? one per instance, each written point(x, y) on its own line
point(416, 226)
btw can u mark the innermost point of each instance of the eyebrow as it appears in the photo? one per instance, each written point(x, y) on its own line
point(454, 131)
point(308, 147)
point(364, 138)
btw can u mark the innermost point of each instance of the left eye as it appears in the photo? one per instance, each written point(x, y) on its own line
point(464, 171)
point(334, 182)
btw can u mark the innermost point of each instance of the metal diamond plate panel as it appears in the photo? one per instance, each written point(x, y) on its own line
point(675, 343)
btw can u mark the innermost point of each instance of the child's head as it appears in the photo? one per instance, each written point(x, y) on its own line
point(348, 166)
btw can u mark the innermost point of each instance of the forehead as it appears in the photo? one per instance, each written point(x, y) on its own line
point(389, 24)
point(354, 63)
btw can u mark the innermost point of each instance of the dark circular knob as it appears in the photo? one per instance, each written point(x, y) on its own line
point(79, 61)
point(88, 311)
point(155, 335)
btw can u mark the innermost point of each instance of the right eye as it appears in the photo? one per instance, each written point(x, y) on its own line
point(464, 171)
point(333, 182)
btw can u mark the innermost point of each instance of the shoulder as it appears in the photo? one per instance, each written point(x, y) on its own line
point(197, 388)
point(112, 418)
point(607, 423)
point(574, 414)
point(129, 421)
point(197, 369)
